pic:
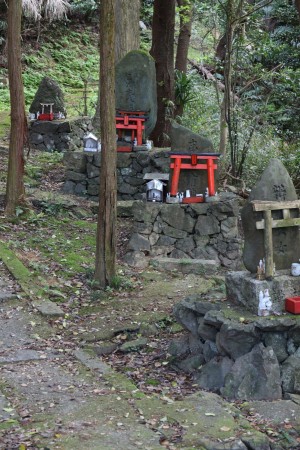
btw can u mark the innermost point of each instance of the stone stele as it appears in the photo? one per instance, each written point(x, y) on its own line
point(275, 184)
point(186, 141)
point(48, 91)
point(136, 86)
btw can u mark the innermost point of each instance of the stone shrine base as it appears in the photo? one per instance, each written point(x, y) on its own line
point(243, 288)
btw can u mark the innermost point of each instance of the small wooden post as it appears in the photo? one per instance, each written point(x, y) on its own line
point(268, 241)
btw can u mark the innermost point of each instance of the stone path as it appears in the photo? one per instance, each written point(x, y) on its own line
point(56, 396)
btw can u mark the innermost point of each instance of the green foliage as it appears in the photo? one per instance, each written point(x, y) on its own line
point(184, 88)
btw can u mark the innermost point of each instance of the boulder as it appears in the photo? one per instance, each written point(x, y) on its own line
point(236, 339)
point(254, 376)
point(212, 374)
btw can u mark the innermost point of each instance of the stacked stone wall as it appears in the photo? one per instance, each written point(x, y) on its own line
point(205, 231)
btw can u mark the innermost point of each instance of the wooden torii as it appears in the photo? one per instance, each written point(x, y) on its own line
point(268, 223)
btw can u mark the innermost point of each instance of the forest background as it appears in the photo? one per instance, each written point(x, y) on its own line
point(263, 119)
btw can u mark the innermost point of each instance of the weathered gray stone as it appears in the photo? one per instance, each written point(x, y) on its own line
point(254, 376)
point(183, 139)
point(237, 339)
point(75, 176)
point(229, 228)
point(179, 348)
point(191, 363)
point(207, 225)
point(133, 346)
point(153, 238)
point(290, 374)
point(143, 228)
point(48, 91)
point(136, 259)
point(173, 232)
point(145, 212)
point(186, 317)
point(275, 184)
point(75, 161)
point(92, 170)
point(175, 216)
point(136, 86)
point(213, 373)
point(196, 266)
point(138, 243)
point(243, 288)
point(48, 308)
point(178, 254)
point(210, 350)
point(186, 245)
point(166, 240)
point(195, 345)
point(69, 187)
point(125, 188)
point(278, 343)
point(205, 331)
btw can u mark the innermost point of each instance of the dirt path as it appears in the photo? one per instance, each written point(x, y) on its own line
point(56, 394)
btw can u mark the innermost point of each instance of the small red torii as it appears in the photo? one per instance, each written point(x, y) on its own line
point(201, 161)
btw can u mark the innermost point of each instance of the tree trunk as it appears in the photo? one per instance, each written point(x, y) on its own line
point(107, 216)
point(15, 175)
point(127, 28)
point(127, 35)
point(297, 5)
point(162, 50)
point(186, 11)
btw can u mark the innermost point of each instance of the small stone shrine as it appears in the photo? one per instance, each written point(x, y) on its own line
point(136, 86)
point(48, 92)
point(271, 222)
point(186, 141)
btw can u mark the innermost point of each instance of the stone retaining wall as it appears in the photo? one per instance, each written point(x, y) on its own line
point(59, 136)
point(203, 231)
point(82, 172)
point(236, 354)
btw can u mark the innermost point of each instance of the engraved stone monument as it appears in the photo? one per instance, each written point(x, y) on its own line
point(186, 141)
point(136, 86)
point(275, 185)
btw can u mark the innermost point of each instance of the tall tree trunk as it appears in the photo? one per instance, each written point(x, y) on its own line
point(107, 216)
point(127, 35)
point(15, 175)
point(297, 5)
point(162, 50)
point(186, 12)
point(127, 28)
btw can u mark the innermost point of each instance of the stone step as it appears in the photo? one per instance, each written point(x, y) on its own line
point(186, 266)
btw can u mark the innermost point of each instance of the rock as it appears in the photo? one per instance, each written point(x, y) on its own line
point(278, 343)
point(138, 243)
point(210, 350)
point(133, 346)
point(136, 259)
point(183, 139)
point(48, 308)
point(136, 86)
point(290, 374)
point(229, 227)
point(186, 245)
point(212, 374)
point(105, 349)
point(275, 184)
point(191, 363)
point(175, 216)
point(237, 339)
point(186, 318)
point(148, 329)
point(173, 232)
point(76, 161)
point(196, 266)
point(179, 347)
point(48, 91)
point(207, 225)
point(254, 376)
point(206, 332)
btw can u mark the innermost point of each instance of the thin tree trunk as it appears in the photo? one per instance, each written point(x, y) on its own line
point(186, 12)
point(127, 36)
point(297, 5)
point(107, 216)
point(223, 129)
point(162, 50)
point(15, 182)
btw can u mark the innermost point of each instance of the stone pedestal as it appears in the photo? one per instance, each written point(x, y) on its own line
point(243, 288)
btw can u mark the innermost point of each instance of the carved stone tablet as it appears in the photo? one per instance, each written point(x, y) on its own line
point(274, 185)
point(136, 86)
